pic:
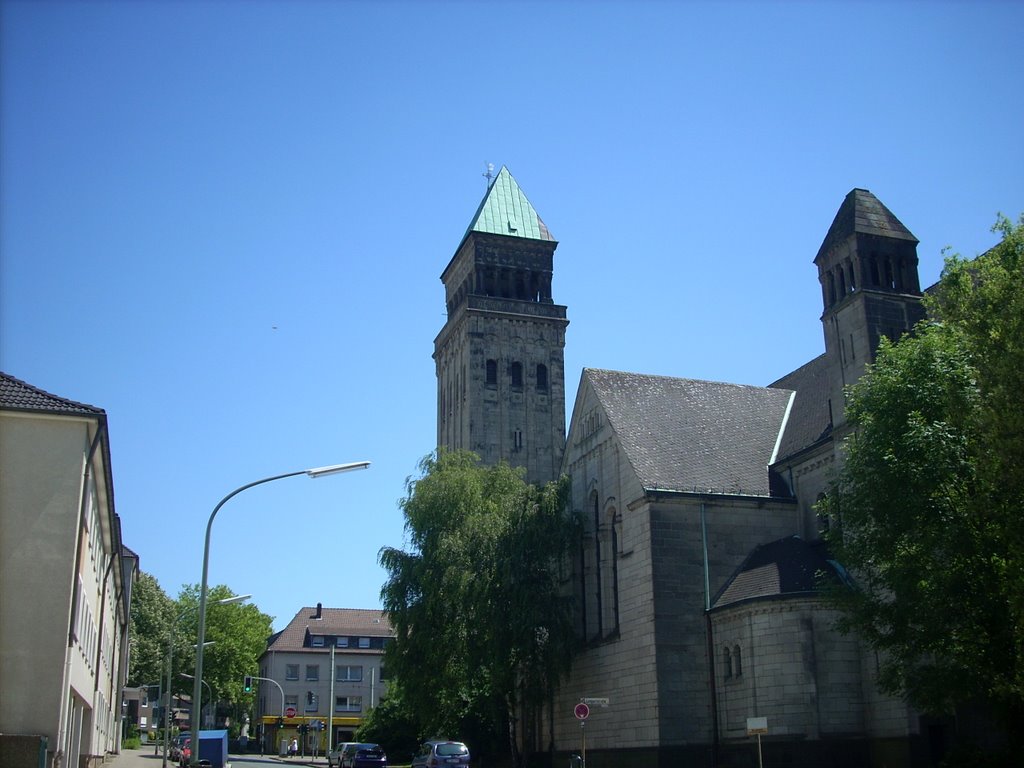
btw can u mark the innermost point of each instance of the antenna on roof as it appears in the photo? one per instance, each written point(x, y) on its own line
point(489, 175)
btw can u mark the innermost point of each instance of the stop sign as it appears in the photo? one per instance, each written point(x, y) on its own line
point(289, 712)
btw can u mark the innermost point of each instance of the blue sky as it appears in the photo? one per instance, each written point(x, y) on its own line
point(224, 222)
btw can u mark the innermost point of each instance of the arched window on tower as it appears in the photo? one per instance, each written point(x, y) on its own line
point(727, 662)
point(737, 661)
point(542, 377)
point(515, 372)
point(492, 373)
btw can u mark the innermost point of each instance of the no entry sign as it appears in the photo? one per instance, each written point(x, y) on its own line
point(582, 711)
point(289, 712)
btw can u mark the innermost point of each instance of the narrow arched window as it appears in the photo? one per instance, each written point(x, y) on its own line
point(516, 374)
point(542, 377)
point(727, 662)
point(737, 661)
point(492, 373)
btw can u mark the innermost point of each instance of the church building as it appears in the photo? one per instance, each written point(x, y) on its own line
point(697, 580)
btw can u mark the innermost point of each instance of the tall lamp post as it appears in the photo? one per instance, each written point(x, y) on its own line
point(209, 690)
point(170, 664)
point(315, 472)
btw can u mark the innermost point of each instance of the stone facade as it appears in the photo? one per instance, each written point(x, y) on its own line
point(696, 602)
point(499, 357)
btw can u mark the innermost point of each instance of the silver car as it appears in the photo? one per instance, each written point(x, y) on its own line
point(441, 753)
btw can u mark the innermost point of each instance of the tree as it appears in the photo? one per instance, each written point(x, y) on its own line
point(239, 633)
point(483, 630)
point(150, 624)
point(392, 725)
point(930, 493)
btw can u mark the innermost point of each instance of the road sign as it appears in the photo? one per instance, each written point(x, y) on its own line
point(289, 712)
point(590, 702)
point(582, 711)
point(757, 726)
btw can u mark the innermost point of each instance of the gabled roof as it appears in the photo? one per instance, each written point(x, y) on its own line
point(506, 211)
point(862, 213)
point(809, 420)
point(786, 567)
point(696, 436)
point(333, 621)
point(16, 395)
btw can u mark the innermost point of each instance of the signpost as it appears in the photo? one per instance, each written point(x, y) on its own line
point(757, 726)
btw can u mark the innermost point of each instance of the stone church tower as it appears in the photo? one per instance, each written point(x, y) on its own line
point(499, 356)
point(867, 267)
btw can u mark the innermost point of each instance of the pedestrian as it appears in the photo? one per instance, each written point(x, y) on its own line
point(293, 748)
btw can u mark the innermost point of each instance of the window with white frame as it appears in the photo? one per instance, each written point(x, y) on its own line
point(364, 642)
point(317, 641)
point(341, 642)
point(348, 703)
point(348, 674)
point(313, 672)
point(291, 671)
point(291, 700)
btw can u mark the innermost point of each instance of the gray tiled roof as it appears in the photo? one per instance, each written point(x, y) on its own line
point(863, 213)
point(690, 435)
point(334, 621)
point(809, 419)
point(789, 566)
point(16, 395)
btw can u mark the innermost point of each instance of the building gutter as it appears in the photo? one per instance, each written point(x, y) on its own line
point(710, 637)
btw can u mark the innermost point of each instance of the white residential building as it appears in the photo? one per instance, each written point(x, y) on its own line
point(65, 582)
point(324, 672)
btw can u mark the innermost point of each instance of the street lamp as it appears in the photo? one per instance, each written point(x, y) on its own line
point(333, 469)
point(170, 664)
point(209, 690)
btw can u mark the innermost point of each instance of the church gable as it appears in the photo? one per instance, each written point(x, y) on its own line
point(687, 435)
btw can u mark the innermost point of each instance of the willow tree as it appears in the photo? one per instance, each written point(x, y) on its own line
point(483, 627)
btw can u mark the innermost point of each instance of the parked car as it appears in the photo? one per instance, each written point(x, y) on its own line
point(334, 756)
point(441, 753)
point(363, 756)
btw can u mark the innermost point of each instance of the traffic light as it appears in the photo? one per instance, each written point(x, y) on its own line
point(248, 684)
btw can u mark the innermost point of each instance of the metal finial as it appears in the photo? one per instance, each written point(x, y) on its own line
point(489, 175)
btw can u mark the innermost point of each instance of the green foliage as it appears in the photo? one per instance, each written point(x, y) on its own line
point(151, 619)
point(930, 493)
point(392, 725)
point(482, 628)
point(239, 633)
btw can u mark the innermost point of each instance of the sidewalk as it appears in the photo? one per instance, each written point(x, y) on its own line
point(144, 758)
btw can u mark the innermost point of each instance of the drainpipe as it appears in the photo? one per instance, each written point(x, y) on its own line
point(710, 637)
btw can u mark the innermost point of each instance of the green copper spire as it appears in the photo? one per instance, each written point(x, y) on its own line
point(506, 211)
